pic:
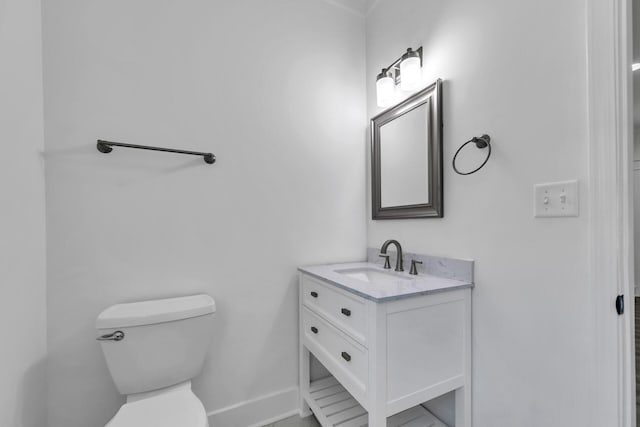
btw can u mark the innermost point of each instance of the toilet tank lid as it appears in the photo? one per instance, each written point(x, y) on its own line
point(155, 311)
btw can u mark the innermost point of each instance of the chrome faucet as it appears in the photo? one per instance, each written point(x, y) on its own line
point(383, 253)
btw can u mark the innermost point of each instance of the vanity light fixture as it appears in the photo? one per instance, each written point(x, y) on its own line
point(385, 88)
point(411, 70)
point(406, 71)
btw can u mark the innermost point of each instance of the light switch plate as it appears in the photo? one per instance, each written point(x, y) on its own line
point(556, 199)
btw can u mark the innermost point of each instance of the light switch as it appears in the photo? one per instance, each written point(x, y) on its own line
point(556, 199)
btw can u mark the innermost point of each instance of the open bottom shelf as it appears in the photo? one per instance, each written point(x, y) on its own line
point(333, 406)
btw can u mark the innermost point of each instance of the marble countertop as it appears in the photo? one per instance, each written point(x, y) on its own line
point(405, 286)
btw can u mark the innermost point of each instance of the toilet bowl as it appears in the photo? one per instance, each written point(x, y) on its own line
point(153, 349)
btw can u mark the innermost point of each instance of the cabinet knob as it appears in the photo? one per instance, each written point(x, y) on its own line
point(314, 294)
point(314, 329)
point(346, 356)
point(346, 312)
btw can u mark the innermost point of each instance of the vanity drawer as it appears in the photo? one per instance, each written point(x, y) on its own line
point(346, 360)
point(346, 311)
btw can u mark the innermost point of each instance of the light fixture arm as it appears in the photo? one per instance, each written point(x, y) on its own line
point(395, 65)
point(408, 64)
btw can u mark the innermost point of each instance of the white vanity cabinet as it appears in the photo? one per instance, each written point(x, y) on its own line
point(386, 355)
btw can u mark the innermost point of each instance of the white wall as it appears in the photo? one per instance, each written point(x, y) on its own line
point(275, 89)
point(22, 221)
point(514, 70)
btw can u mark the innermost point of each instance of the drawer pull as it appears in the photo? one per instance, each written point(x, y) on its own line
point(346, 312)
point(314, 329)
point(346, 356)
point(314, 294)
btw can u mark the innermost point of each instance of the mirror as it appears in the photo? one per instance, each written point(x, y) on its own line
point(406, 162)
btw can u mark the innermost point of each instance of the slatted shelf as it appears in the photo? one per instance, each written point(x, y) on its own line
point(333, 406)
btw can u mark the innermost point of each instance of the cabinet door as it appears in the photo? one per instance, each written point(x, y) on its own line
point(425, 348)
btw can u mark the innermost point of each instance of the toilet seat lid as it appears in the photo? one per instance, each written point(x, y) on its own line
point(177, 408)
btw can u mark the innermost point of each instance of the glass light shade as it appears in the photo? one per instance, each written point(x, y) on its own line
point(385, 88)
point(410, 73)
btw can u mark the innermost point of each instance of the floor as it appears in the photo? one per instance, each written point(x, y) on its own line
point(296, 422)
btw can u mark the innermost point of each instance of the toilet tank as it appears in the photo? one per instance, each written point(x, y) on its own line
point(165, 341)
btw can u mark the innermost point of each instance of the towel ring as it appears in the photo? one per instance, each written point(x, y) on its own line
point(481, 142)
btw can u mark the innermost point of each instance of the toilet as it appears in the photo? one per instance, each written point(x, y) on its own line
point(153, 350)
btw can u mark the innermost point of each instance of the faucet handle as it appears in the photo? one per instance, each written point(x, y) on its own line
point(387, 265)
point(414, 269)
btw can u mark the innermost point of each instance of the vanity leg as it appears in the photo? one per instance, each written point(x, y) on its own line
point(463, 407)
point(463, 394)
point(304, 378)
point(305, 411)
point(378, 367)
point(304, 373)
point(377, 420)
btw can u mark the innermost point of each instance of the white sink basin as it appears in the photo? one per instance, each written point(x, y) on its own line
point(371, 275)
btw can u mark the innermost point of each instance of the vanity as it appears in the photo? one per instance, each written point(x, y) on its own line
point(390, 341)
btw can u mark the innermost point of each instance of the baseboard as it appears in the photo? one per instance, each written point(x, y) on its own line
point(277, 418)
point(257, 412)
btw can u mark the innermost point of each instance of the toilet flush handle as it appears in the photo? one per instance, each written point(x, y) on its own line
point(116, 336)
